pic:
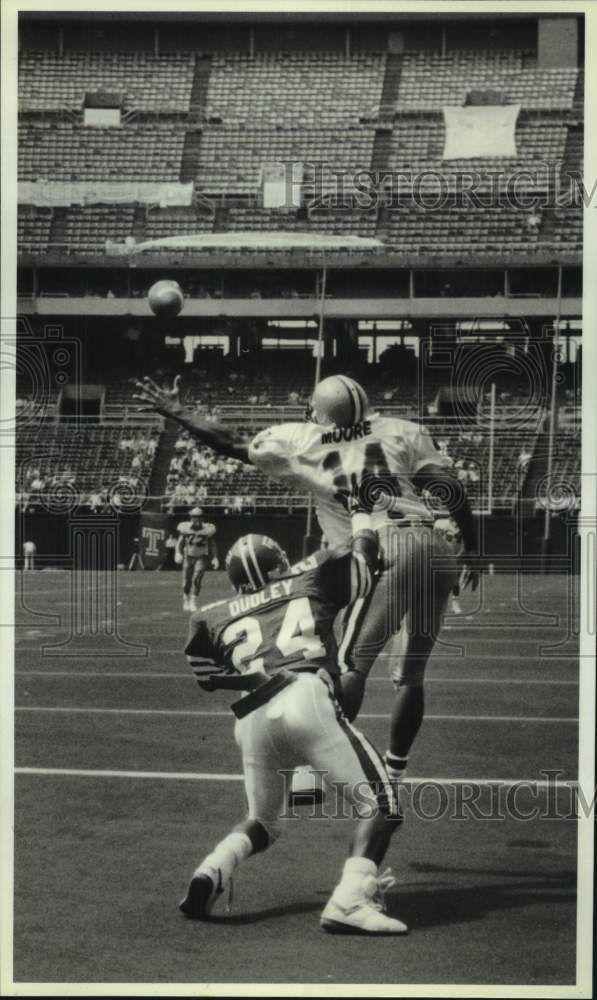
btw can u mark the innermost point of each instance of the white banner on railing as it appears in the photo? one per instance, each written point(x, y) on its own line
point(480, 131)
point(64, 193)
point(280, 184)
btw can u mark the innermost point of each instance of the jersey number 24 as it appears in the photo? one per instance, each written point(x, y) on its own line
point(297, 635)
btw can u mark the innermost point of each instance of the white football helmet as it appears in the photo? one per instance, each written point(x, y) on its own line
point(340, 401)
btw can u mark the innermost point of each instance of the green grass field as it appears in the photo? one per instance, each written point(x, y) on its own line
point(127, 774)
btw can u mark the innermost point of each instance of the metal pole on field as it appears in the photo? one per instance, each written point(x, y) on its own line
point(320, 328)
point(552, 426)
point(315, 384)
point(491, 450)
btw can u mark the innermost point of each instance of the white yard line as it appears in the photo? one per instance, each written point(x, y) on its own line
point(206, 776)
point(372, 680)
point(217, 713)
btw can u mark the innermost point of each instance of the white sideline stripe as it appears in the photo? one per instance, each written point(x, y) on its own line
point(215, 714)
point(204, 776)
point(371, 680)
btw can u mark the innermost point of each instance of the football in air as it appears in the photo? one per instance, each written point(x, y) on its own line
point(165, 298)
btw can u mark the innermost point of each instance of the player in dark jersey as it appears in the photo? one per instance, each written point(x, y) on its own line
point(274, 641)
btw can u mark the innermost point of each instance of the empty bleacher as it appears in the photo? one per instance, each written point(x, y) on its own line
point(65, 152)
point(486, 230)
point(302, 89)
point(87, 228)
point(417, 145)
point(49, 81)
point(318, 220)
point(563, 227)
point(162, 222)
point(230, 159)
point(430, 81)
point(33, 227)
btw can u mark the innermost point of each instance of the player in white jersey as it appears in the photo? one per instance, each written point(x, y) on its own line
point(194, 548)
point(346, 452)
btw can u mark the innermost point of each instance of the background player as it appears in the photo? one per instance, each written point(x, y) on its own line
point(275, 641)
point(29, 553)
point(195, 549)
point(344, 450)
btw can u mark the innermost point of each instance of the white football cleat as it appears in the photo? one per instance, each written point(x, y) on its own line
point(204, 890)
point(185, 604)
point(192, 604)
point(362, 912)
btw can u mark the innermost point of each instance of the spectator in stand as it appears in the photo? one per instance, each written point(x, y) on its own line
point(523, 460)
point(473, 472)
point(95, 501)
point(461, 470)
point(37, 484)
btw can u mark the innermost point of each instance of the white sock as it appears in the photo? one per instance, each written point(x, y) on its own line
point(226, 856)
point(354, 873)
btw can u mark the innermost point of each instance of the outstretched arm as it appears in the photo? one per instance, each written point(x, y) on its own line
point(167, 402)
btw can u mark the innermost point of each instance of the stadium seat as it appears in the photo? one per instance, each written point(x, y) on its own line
point(49, 81)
